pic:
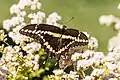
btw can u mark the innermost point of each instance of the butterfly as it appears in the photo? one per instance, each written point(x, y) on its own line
point(55, 39)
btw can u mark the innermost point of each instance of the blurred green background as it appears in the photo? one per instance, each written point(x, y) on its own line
point(86, 13)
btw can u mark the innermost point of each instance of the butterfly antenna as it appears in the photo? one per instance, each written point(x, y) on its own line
point(69, 20)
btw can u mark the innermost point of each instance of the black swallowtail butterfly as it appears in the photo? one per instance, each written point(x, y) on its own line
point(54, 39)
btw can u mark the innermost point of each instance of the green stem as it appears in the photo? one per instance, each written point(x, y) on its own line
point(5, 42)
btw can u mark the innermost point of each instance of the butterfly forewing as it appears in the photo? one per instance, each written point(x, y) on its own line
point(49, 28)
point(71, 32)
point(55, 39)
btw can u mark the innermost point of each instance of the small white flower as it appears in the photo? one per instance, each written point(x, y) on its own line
point(107, 19)
point(36, 18)
point(14, 9)
point(38, 5)
point(117, 25)
point(98, 55)
point(58, 72)
point(23, 3)
point(111, 66)
point(75, 56)
point(7, 24)
point(83, 64)
point(34, 21)
point(87, 54)
point(93, 43)
point(36, 57)
point(118, 66)
point(22, 13)
point(114, 44)
point(33, 7)
point(30, 48)
point(89, 78)
point(36, 67)
point(108, 59)
point(14, 73)
point(118, 6)
point(113, 79)
point(97, 72)
point(53, 18)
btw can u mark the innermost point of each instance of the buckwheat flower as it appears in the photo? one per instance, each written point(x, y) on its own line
point(107, 19)
point(98, 55)
point(38, 5)
point(89, 78)
point(92, 61)
point(3, 73)
point(82, 64)
point(16, 29)
point(8, 49)
point(15, 9)
point(115, 55)
point(115, 74)
point(114, 44)
point(108, 59)
point(117, 25)
point(97, 72)
point(16, 20)
point(2, 61)
point(53, 18)
point(36, 18)
point(111, 66)
point(15, 37)
point(14, 74)
point(93, 43)
point(7, 24)
point(36, 58)
point(118, 67)
point(30, 48)
point(33, 7)
point(42, 14)
point(118, 6)
point(75, 56)
point(23, 3)
point(73, 75)
point(58, 72)
point(36, 66)
point(22, 14)
point(87, 54)
point(113, 79)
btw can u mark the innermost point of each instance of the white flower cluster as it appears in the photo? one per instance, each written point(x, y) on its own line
point(114, 43)
point(98, 65)
point(93, 43)
point(61, 75)
point(14, 62)
point(32, 47)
